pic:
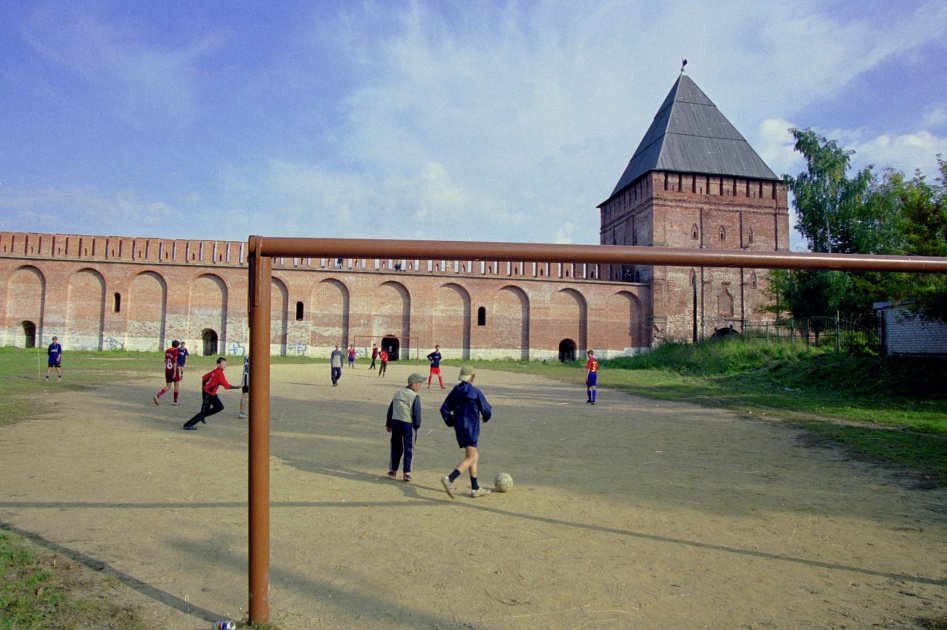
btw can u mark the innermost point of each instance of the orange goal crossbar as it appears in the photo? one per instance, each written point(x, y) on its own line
point(261, 250)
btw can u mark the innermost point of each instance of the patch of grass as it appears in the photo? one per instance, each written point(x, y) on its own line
point(39, 590)
point(23, 373)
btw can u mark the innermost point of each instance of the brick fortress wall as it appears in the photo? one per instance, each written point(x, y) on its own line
point(684, 210)
point(105, 292)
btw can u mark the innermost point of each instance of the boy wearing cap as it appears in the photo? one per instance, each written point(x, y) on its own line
point(403, 421)
point(463, 409)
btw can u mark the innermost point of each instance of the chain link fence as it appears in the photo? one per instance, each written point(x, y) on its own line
point(825, 332)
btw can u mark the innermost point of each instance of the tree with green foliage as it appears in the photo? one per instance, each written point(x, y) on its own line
point(861, 215)
point(922, 209)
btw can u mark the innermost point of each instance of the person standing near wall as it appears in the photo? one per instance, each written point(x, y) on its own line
point(591, 377)
point(374, 355)
point(54, 351)
point(435, 359)
point(383, 357)
point(182, 358)
point(335, 363)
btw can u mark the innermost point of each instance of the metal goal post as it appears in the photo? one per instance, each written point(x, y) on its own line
point(261, 250)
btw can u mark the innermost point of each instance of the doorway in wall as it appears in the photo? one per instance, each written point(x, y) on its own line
point(392, 346)
point(29, 334)
point(210, 340)
point(567, 350)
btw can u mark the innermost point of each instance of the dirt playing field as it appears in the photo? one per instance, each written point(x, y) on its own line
point(628, 514)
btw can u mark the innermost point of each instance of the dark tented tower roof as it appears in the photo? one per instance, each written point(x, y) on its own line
point(690, 135)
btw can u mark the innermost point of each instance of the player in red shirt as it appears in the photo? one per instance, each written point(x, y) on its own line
point(383, 356)
point(591, 377)
point(211, 403)
point(172, 372)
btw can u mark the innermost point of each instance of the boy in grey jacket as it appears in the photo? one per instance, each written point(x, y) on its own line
point(403, 421)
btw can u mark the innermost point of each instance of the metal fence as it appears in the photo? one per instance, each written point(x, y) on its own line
point(824, 332)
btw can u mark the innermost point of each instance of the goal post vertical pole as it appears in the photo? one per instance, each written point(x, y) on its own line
point(259, 295)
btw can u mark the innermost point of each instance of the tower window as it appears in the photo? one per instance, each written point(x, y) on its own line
point(299, 311)
point(723, 234)
point(481, 316)
point(117, 303)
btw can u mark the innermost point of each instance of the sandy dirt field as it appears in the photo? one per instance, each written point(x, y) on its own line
point(628, 514)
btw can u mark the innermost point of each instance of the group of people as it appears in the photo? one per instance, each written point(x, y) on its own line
point(175, 357)
point(337, 357)
point(464, 409)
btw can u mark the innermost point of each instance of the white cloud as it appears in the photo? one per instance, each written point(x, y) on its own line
point(71, 211)
point(905, 153)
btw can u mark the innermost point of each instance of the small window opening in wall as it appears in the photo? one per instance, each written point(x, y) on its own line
point(694, 233)
point(117, 303)
point(299, 311)
point(723, 234)
point(749, 236)
point(481, 316)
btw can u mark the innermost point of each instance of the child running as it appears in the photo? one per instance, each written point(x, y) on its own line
point(211, 402)
point(463, 409)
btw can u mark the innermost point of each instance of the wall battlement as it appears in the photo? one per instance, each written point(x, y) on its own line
point(73, 247)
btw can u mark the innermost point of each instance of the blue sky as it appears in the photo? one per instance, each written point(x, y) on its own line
point(457, 120)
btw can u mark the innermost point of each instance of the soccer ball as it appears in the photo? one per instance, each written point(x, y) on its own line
point(503, 482)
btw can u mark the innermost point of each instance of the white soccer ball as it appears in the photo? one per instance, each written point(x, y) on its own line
point(503, 482)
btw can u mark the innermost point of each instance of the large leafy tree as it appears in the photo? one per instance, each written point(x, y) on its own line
point(861, 214)
point(922, 208)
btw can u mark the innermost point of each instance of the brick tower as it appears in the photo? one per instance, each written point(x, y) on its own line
point(695, 182)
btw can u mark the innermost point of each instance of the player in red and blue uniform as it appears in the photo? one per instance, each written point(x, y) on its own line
point(211, 402)
point(55, 358)
point(172, 373)
point(591, 377)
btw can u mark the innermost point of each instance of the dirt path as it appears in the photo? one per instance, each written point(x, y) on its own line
point(628, 514)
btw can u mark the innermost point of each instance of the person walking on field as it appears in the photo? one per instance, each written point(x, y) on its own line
point(172, 373)
point(402, 422)
point(211, 402)
point(374, 355)
point(55, 358)
point(463, 409)
point(591, 376)
point(435, 359)
point(383, 357)
point(352, 356)
point(335, 362)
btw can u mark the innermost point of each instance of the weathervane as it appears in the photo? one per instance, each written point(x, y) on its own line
point(684, 63)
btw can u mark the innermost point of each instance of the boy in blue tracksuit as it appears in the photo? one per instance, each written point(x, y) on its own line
point(403, 421)
point(463, 409)
point(55, 358)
